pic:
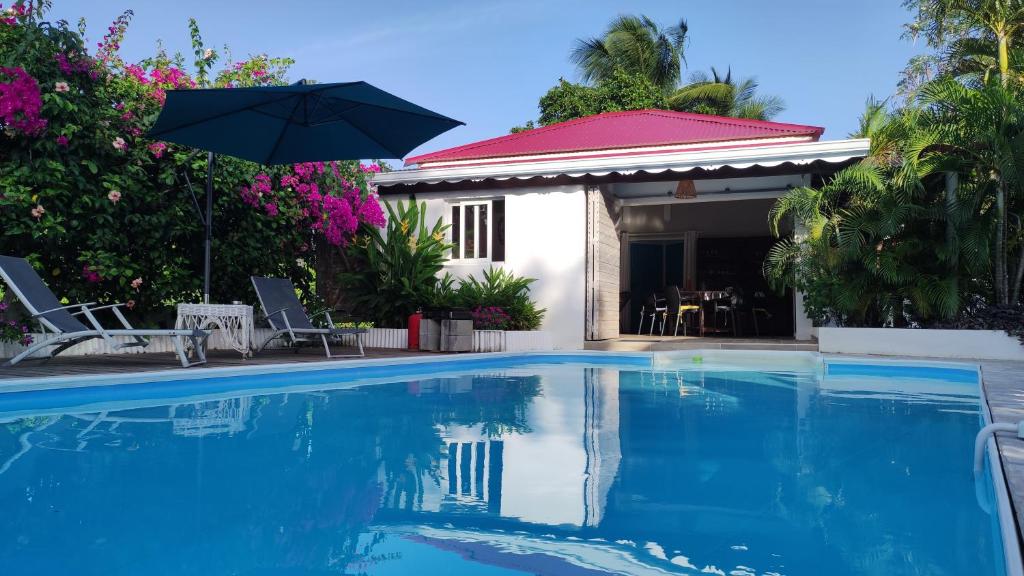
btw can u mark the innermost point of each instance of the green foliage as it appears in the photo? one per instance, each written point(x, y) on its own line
point(636, 65)
point(91, 197)
point(398, 274)
point(397, 270)
point(621, 91)
point(634, 45)
point(504, 290)
point(929, 228)
point(723, 96)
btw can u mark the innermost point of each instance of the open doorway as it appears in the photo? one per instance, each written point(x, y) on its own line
point(714, 253)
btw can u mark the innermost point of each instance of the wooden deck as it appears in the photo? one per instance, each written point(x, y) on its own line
point(134, 363)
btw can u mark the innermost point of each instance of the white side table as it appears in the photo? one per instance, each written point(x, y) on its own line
point(234, 321)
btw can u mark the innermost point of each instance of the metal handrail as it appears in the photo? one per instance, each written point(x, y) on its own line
point(982, 438)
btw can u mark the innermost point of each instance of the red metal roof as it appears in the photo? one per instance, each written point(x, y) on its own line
point(613, 130)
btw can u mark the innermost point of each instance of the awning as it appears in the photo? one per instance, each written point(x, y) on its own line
point(804, 153)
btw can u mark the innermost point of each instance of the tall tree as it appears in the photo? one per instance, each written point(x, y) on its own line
point(636, 64)
point(722, 95)
point(636, 45)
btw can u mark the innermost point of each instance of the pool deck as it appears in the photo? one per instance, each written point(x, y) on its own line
point(1004, 389)
point(134, 363)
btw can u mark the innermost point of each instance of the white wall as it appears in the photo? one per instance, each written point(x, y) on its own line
point(973, 344)
point(545, 238)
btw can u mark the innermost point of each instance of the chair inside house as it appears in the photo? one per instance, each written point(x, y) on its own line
point(656, 307)
point(681, 305)
point(759, 308)
point(725, 312)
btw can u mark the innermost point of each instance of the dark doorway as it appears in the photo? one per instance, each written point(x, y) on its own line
point(653, 265)
point(737, 263)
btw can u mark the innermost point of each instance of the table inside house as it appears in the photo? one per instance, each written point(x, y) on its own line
point(703, 298)
point(235, 322)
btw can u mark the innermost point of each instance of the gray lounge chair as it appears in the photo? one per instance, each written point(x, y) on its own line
point(68, 330)
point(288, 319)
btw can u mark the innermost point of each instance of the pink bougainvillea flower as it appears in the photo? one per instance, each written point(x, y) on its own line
point(136, 283)
point(38, 211)
point(271, 209)
point(62, 141)
point(114, 196)
point(119, 143)
point(130, 304)
point(20, 102)
point(157, 148)
point(90, 275)
point(61, 87)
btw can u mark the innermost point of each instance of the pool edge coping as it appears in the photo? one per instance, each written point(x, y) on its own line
point(1010, 530)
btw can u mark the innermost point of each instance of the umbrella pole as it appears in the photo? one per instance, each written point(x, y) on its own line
point(210, 161)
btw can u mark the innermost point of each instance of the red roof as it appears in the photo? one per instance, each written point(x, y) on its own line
point(612, 130)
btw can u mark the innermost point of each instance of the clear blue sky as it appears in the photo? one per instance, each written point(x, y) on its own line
point(486, 62)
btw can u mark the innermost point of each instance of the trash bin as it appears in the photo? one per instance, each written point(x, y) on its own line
point(447, 330)
point(430, 334)
point(456, 335)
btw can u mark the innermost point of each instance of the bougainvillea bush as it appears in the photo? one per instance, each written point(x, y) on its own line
point(106, 214)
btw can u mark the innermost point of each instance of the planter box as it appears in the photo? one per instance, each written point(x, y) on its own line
point(511, 340)
point(978, 344)
point(395, 338)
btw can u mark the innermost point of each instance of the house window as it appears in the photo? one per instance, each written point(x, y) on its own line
point(478, 230)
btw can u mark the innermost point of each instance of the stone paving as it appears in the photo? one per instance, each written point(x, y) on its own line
point(1004, 389)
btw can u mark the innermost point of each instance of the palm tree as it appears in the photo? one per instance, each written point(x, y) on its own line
point(871, 244)
point(715, 94)
point(1003, 22)
point(636, 45)
point(982, 130)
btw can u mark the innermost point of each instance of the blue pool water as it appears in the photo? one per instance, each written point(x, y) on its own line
point(556, 467)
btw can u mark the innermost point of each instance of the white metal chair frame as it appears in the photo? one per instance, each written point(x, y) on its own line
point(297, 335)
point(64, 340)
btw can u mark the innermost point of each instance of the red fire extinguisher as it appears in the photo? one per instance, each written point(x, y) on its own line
point(414, 330)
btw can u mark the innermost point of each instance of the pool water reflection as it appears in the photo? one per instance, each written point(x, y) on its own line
point(545, 469)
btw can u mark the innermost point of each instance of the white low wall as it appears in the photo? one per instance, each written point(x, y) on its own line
point(979, 344)
point(395, 338)
point(511, 341)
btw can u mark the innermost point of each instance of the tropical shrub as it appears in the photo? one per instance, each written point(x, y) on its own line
point(108, 215)
point(396, 272)
point(928, 230)
point(11, 330)
point(504, 290)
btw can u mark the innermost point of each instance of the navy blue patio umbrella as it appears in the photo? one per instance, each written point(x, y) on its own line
point(301, 122)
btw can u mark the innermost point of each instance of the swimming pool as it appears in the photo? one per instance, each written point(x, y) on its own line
point(516, 464)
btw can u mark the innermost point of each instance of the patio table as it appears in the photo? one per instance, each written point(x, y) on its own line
point(234, 320)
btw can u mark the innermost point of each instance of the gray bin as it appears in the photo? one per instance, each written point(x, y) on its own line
point(430, 335)
point(456, 335)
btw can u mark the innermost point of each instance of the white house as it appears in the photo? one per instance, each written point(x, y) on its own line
point(605, 210)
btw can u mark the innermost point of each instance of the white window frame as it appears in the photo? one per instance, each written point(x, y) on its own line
point(461, 205)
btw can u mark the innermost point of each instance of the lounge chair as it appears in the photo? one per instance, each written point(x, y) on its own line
point(68, 330)
point(288, 319)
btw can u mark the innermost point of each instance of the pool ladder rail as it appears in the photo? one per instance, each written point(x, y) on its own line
point(982, 438)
